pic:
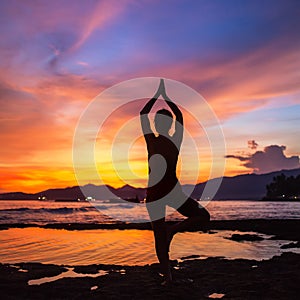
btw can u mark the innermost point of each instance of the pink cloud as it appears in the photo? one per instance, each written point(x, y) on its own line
point(103, 14)
point(246, 82)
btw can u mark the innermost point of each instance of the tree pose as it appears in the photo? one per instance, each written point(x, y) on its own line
point(163, 185)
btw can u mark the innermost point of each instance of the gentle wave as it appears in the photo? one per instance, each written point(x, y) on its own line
point(62, 210)
point(67, 210)
point(83, 212)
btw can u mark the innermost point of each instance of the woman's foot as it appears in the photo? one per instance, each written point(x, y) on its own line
point(168, 280)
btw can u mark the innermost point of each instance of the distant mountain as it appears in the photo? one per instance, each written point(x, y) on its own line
point(101, 192)
point(17, 196)
point(240, 187)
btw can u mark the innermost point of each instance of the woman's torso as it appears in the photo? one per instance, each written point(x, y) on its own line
point(162, 160)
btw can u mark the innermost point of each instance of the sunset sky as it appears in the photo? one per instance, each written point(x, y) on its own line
point(243, 57)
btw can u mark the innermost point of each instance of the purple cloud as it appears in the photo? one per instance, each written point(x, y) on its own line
point(252, 144)
point(272, 158)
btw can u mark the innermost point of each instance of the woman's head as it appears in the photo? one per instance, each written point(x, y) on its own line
point(163, 121)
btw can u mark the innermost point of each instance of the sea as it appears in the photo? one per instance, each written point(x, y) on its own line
point(45, 212)
point(128, 247)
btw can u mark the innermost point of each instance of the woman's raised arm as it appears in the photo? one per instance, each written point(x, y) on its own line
point(178, 115)
point(145, 123)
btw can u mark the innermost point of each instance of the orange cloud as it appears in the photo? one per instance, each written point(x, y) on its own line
point(32, 179)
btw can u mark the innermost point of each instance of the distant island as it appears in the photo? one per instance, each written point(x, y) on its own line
point(283, 187)
point(270, 186)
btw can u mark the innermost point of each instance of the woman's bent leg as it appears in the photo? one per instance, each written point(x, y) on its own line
point(197, 218)
point(198, 215)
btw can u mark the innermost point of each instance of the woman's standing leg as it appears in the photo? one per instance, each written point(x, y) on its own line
point(159, 227)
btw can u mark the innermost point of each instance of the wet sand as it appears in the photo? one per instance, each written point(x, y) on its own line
point(277, 278)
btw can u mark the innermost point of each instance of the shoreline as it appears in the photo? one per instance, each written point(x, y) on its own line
point(286, 229)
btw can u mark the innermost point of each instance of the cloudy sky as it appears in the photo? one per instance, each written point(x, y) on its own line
point(243, 57)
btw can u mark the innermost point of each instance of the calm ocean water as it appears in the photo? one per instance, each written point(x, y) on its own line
point(43, 212)
point(127, 247)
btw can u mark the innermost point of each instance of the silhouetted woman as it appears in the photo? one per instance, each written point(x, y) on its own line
point(163, 185)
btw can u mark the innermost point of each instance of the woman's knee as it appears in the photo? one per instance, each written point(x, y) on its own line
point(205, 215)
point(202, 218)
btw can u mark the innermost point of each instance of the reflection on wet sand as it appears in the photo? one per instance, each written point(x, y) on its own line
point(129, 247)
point(70, 273)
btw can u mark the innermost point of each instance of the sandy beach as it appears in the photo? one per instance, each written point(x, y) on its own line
point(195, 278)
point(277, 278)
